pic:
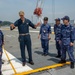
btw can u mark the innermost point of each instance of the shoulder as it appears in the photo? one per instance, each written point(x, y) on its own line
point(17, 21)
point(41, 25)
point(54, 25)
point(48, 25)
point(72, 27)
point(0, 31)
point(27, 20)
point(62, 25)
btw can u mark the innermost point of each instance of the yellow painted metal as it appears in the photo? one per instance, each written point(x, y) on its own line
point(9, 61)
point(42, 69)
point(53, 33)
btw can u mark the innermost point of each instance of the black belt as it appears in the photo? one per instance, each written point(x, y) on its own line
point(24, 34)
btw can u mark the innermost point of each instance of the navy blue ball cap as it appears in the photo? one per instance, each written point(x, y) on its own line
point(66, 18)
point(57, 19)
point(45, 19)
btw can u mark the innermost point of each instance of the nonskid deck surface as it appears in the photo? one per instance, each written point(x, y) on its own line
point(13, 51)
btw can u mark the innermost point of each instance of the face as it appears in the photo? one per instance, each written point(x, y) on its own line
point(65, 22)
point(21, 16)
point(57, 22)
point(45, 22)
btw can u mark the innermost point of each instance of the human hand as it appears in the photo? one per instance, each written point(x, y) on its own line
point(12, 26)
point(0, 53)
point(3, 43)
point(71, 44)
point(49, 38)
point(38, 36)
point(38, 24)
point(59, 41)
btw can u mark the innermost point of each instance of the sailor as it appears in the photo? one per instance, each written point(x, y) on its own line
point(45, 31)
point(57, 29)
point(24, 36)
point(1, 44)
point(67, 41)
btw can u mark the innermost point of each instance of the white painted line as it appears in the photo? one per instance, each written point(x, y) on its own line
point(17, 64)
point(7, 70)
point(10, 35)
point(6, 67)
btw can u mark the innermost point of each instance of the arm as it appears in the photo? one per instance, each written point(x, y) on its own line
point(72, 37)
point(39, 33)
point(54, 28)
point(49, 29)
point(38, 36)
point(2, 38)
point(13, 26)
point(38, 24)
point(60, 35)
point(49, 37)
point(34, 26)
point(49, 32)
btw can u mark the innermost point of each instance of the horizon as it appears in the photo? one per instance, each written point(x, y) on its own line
point(10, 8)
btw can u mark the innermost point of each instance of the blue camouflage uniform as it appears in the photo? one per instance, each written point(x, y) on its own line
point(1, 43)
point(57, 30)
point(74, 32)
point(67, 36)
point(25, 40)
point(45, 30)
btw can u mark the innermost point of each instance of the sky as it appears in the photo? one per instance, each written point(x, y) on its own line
point(9, 9)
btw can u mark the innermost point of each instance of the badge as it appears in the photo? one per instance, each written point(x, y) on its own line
point(44, 31)
point(27, 23)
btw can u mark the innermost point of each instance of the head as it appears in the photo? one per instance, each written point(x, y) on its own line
point(45, 20)
point(57, 21)
point(66, 20)
point(21, 14)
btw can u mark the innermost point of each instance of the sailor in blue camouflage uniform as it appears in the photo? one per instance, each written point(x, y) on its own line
point(24, 36)
point(57, 29)
point(45, 31)
point(67, 41)
point(1, 44)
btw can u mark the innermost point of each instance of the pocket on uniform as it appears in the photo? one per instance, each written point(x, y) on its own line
point(66, 41)
point(20, 38)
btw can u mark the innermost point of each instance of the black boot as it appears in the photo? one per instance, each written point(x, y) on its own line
point(23, 63)
point(58, 56)
point(31, 62)
point(0, 73)
point(72, 65)
point(62, 61)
